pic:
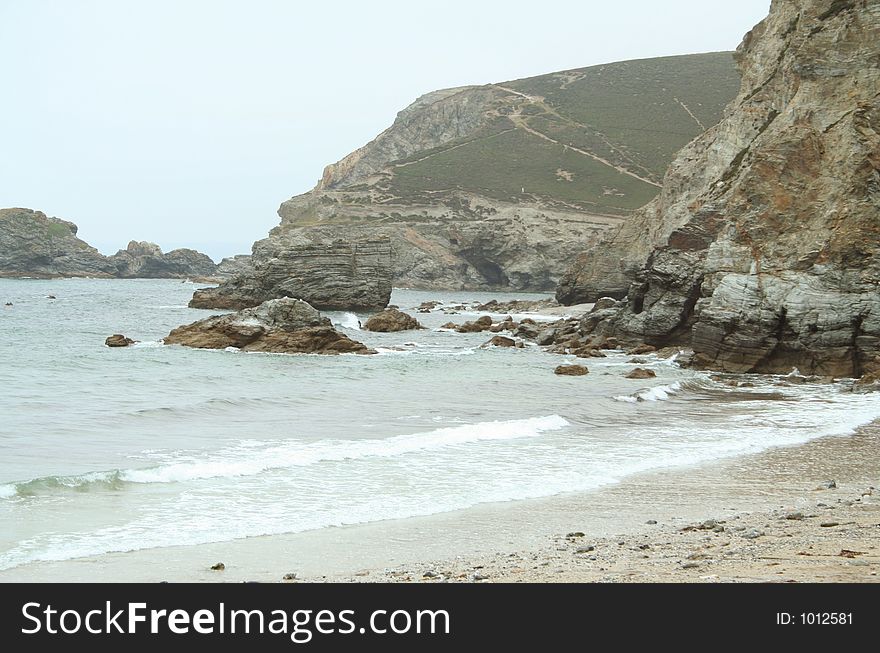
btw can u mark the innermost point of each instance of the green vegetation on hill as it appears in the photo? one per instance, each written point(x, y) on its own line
point(599, 137)
point(642, 106)
point(516, 162)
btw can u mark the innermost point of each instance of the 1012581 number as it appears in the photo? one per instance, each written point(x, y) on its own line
point(825, 618)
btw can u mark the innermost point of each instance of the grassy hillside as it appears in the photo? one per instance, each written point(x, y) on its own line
point(599, 138)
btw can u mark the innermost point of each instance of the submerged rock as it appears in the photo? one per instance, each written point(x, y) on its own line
point(391, 320)
point(284, 325)
point(641, 373)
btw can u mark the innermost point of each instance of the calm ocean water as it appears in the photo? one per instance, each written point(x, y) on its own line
point(105, 450)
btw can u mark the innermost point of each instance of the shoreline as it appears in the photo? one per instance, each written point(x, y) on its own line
point(525, 541)
point(824, 533)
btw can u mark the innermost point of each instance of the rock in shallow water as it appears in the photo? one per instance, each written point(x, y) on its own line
point(641, 373)
point(500, 341)
point(479, 325)
point(119, 340)
point(391, 320)
point(287, 326)
point(571, 370)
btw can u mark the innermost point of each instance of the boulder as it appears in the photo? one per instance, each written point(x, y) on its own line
point(477, 326)
point(391, 320)
point(641, 373)
point(280, 325)
point(119, 340)
point(500, 341)
point(641, 349)
point(602, 303)
point(588, 352)
point(571, 370)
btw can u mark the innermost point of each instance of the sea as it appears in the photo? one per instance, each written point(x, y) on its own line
point(143, 448)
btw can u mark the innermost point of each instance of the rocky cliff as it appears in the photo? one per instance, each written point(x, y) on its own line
point(34, 245)
point(761, 250)
point(498, 186)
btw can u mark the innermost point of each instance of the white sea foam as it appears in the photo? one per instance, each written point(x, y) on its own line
point(426, 352)
point(347, 321)
point(8, 490)
point(658, 393)
point(250, 457)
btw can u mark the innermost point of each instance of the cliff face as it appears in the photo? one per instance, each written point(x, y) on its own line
point(498, 186)
point(34, 245)
point(762, 249)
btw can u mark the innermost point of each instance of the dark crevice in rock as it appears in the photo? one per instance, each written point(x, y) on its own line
point(490, 271)
point(855, 349)
point(836, 7)
point(687, 309)
point(778, 335)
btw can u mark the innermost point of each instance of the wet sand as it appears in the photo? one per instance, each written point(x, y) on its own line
point(802, 527)
point(526, 541)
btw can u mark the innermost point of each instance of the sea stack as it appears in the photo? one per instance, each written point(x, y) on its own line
point(329, 273)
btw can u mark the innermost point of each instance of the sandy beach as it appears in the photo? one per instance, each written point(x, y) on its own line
point(825, 531)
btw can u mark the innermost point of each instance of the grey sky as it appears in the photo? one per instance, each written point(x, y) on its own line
point(188, 122)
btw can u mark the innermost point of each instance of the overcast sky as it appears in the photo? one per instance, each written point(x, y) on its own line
point(187, 122)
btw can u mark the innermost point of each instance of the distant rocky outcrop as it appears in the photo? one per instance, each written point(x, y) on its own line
point(34, 245)
point(143, 260)
point(284, 325)
point(328, 272)
point(762, 250)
